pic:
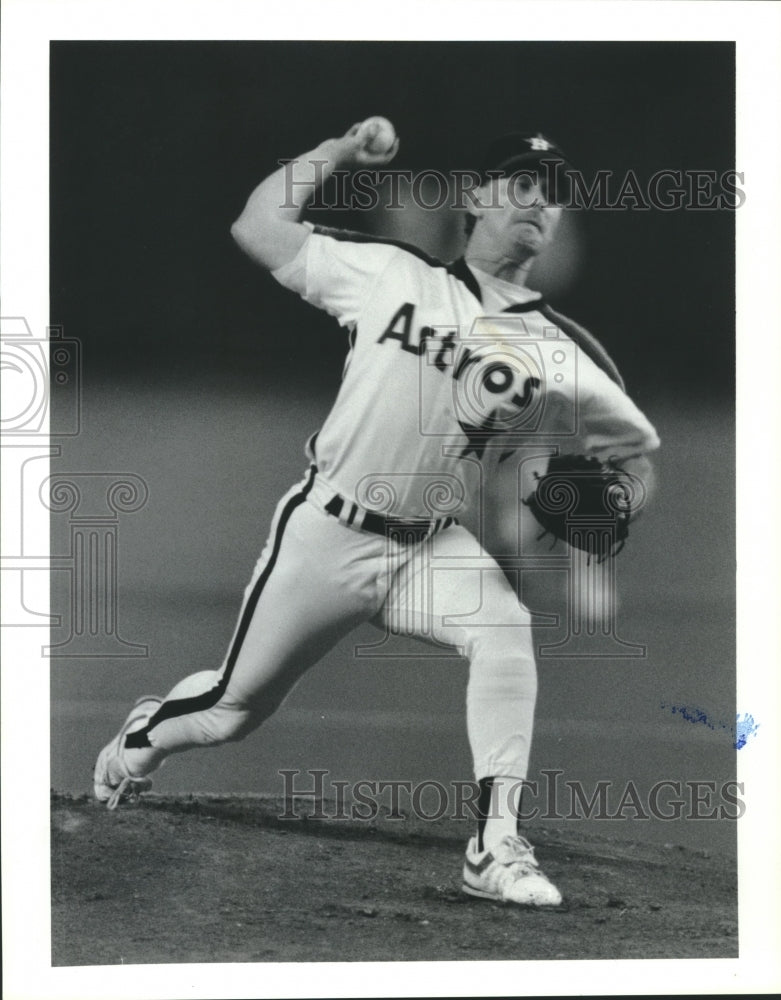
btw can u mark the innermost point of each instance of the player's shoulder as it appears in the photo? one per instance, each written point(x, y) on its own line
point(586, 341)
point(384, 243)
point(422, 266)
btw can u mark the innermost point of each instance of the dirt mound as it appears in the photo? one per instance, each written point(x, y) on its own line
point(226, 879)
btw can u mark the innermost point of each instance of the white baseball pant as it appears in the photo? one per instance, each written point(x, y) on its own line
point(317, 579)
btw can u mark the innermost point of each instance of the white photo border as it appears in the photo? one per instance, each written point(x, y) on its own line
point(28, 28)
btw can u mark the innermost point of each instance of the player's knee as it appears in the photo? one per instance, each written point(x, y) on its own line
point(238, 713)
point(504, 644)
point(503, 669)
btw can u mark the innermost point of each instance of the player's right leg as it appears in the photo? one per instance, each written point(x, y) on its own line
point(314, 582)
point(451, 592)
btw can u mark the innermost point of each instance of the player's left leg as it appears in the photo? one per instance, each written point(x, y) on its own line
point(314, 582)
point(451, 591)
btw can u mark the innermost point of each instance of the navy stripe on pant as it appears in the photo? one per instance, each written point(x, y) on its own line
point(207, 700)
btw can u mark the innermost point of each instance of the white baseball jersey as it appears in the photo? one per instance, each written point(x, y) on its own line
point(432, 382)
point(449, 371)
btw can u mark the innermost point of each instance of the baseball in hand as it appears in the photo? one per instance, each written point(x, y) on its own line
point(378, 135)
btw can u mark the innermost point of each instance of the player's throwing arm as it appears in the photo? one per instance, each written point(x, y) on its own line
point(269, 229)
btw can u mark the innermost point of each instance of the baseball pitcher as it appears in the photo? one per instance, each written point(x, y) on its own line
point(451, 368)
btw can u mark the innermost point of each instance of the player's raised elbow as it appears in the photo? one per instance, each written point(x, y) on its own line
point(237, 231)
point(248, 237)
point(268, 242)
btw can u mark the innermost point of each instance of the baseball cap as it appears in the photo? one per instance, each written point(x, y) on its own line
point(516, 150)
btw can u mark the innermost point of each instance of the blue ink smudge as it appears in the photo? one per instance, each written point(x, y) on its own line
point(744, 726)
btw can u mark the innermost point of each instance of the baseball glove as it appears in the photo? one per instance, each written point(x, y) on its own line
point(585, 502)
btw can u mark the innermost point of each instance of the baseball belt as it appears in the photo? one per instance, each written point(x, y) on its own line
point(399, 528)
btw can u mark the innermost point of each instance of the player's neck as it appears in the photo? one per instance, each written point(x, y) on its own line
point(506, 268)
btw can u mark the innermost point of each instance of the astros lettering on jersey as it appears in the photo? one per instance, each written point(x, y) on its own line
point(428, 370)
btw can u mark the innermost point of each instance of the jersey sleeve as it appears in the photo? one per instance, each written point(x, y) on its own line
point(336, 272)
point(611, 425)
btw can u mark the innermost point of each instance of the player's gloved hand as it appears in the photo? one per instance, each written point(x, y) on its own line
point(587, 503)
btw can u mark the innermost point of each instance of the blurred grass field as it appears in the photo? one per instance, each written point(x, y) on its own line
point(216, 461)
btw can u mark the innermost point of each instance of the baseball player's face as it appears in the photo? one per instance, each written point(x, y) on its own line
point(518, 217)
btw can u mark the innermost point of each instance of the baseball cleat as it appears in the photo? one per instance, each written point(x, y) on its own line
point(112, 781)
point(509, 873)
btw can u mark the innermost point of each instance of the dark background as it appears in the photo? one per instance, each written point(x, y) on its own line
point(156, 146)
point(205, 378)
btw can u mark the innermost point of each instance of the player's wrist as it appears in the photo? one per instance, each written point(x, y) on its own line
point(339, 154)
